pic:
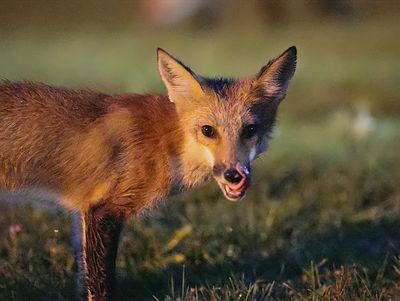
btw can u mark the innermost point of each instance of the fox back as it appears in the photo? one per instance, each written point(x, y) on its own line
point(80, 147)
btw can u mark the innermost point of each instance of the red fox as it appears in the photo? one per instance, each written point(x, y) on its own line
point(109, 157)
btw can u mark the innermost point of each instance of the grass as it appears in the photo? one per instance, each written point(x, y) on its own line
point(321, 220)
point(316, 283)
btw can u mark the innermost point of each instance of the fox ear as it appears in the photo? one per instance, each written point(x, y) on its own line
point(179, 80)
point(273, 79)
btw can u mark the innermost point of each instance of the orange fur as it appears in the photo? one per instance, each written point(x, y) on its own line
point(109, 157)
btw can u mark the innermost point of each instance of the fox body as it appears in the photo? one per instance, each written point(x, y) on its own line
point(109, 157)
point(83, 148)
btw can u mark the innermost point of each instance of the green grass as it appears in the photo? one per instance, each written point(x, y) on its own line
point(321, 220)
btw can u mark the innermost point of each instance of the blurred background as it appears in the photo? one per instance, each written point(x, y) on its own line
point(323, 213)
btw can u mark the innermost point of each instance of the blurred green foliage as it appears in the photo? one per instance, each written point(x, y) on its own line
point(323, 213)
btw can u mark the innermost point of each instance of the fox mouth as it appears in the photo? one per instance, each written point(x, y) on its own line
point(236, 191)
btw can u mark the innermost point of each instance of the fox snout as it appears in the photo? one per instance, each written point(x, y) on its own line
point(233, 180)
point(232, 175)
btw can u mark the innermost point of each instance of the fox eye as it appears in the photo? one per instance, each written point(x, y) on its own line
point(208, 131)
point(249, 131)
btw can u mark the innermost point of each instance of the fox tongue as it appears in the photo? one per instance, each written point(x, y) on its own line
point(238, 187)
point(244, 172)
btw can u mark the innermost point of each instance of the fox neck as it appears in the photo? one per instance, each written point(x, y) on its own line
point(191, 165)
point(195, 168)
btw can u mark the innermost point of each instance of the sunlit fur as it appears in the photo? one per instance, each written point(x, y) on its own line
point(109, 157)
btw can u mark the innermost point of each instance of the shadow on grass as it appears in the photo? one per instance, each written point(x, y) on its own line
point(370, 245)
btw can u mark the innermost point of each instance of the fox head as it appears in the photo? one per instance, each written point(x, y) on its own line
point(227, 123)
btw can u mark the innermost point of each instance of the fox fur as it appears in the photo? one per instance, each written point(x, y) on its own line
point(109, 157)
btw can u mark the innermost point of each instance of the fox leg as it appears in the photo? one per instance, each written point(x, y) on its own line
point(95, 239)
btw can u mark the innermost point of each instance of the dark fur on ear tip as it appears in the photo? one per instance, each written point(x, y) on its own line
point(288, 66)
point(292, 50)
point(291, 55)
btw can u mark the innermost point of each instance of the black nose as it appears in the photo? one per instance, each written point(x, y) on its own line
point(232, 175)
